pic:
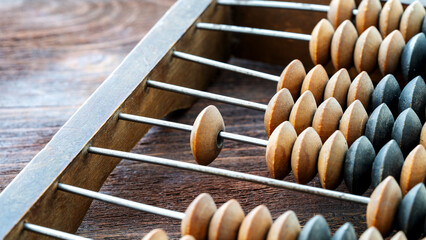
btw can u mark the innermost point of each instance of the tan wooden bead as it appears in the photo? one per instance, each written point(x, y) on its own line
point(327, 117)
point(399, 236)
point(292, 78)
point(331, 159)
point(256, 224)
point(278, 151)
point(205, 143)
point(411, 20)
point(340, 10)
point(156, 234)
point(315, 81)
point(286, 227)
point(367, 49)
point(304, 155)
point(342, 45)
point(353, 122)
point(226, 221)
point(338, 87)
point(368, 14)
point(390, 52)
point(197, 216)
point(390, 17)
point(383, 205)
point(423, 136)
point(187, 237)
point(371, 234)
point(319, 45)
point(360, 89)
point(278, 110)
point(303, 112)
point(414, 169)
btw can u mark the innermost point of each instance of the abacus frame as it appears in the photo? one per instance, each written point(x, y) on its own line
point(32, 195)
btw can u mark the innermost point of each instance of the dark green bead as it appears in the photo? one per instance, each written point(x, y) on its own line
point(358, 164)
point(378, 128)
point(345, 232)
point(414, 96)
point(413, 57)
point(387, 91)
point(406, 130)
point(388, 162)
point(316, 228)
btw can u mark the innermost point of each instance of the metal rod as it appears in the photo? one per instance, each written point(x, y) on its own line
point(52, 232)
point(121, 202)
point(188, 128)
point(206, 95)
point(277, 4)
point(226, 66)
point(254, 31)
point(230, 174)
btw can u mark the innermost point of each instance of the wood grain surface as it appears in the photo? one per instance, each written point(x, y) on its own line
point(54, 54)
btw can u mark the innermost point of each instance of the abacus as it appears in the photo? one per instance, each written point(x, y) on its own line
point(345, 118)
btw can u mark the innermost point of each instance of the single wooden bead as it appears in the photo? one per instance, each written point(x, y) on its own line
point(406, 130)
point(413, 58)
point(205, 141)
point(379, 126)
point(303, 111)
point(399, 236)
point(338, 86)
point(358, 164)
point(326, 118)
point(304, 155)
point(390, 16)
point(361, 89)
point(197, 217)
point(414, 96)
point(383, 205)
point(411, 20)
point(156, 234)
point(414, 169)
point(315, 81)
point(345, 232)
point(256, 224)
point(390, 52)
point(340, 10)
point(319, 45)
point(412, 212)
point(388, 162)
point(423, 136)
point(187, 237)
point(278, 110)
point(352, 123)
point(371, 234)
point(278, 151)
point(286, 227)
point(367, 49)
point(331, 159)
point(316, 228)
point(368, 14)
point(226, 221)
point(342, 45)
point(387, 91)
point(292, 78)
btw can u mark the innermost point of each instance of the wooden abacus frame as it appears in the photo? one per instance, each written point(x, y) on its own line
point(32, 196)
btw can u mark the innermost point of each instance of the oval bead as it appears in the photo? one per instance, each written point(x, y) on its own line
point(367, 49)
point(387, 91)
point(278, 110)
point(406, 130)
point(371, 234)
point(197, 216)
point(414, 169)
point(361, 89)
point(390, 52)
point(256, 224)
point(411, 20)
point(414, 96)
point(379, 126)
point(423, 136)
point(340, 10)
point(315, 81)
point(383, 205)
point(345, 232)
point(156, 234)
point(326, 118)
point(358, 163)
point(390, 16)
point(226, 221)
point(316, 228)
point(412, 212)
point(353, 122)
point(303, 112)
point(413, 58)
point(278, 150)
point(331, 159)
point(292, 78)
point(342, 45)
point(286, 227)
point(368, 14)
point(205, 141)
point(388, 162)
point(399, 236)
point(319, 45)
point(338, 87)
point(187, 237)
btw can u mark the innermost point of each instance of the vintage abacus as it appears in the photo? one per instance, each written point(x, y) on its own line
point(362, 124)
